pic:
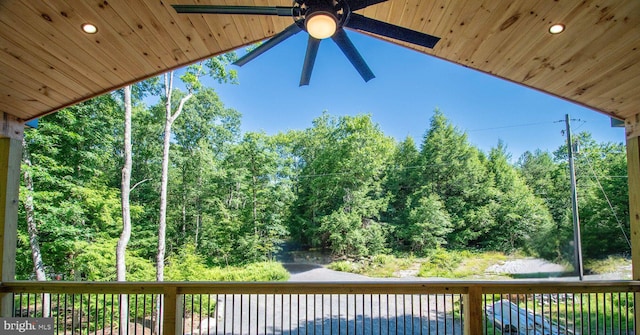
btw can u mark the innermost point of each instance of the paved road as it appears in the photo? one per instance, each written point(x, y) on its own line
point(333, 314)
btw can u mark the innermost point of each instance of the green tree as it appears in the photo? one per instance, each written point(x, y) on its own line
point(216, 67)
point(452, 169)
point(202, 136)
point(603, 197)
point(257, 156)
point(72, 154)
point(402, 181)
point(340, 195)
point(520, 217)
point(549, 181)
point(427, 223)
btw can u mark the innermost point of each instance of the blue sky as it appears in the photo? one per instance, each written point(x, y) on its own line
point(401, 99)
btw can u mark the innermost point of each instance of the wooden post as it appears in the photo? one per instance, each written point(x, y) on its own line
point(472, 309)
point(11, 132)
point(632, 126)
point(172, 313)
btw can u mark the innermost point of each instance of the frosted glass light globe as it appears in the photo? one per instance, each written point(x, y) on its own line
point(321, 25)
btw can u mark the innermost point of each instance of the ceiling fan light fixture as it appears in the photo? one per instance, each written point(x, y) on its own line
point(556, 29)
point(321, 24)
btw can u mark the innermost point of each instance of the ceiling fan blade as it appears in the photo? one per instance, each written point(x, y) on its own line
point(360, 22)
point(270, 43)
point(360, 4)
point(309, 59)
point(347, 47)
point(250, 10)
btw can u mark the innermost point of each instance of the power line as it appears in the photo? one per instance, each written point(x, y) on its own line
point(512, 126)
point(608, 201)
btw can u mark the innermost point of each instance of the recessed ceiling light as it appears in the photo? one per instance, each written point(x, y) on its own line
point(556, 28)
point(89, 28)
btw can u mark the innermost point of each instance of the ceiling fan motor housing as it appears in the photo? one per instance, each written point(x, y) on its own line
point(334, 9)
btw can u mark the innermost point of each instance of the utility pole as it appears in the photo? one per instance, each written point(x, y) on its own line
point(574, 204)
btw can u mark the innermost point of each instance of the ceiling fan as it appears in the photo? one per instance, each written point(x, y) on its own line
point(320, 19)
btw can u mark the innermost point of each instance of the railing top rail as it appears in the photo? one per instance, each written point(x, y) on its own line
point(351, 287)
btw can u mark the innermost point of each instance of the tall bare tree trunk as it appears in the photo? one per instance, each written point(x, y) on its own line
point(121, 268)
point(162, 224)
point(164, 180)
point(36, 255)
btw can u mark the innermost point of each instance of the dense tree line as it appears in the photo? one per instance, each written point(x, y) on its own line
point(340, 185)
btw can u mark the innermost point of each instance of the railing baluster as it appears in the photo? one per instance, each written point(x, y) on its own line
point(88, 314)
point(387, 314)
point(605, 323)
point(97, 318)
point(573, 313)
point(619, 313)
point(566, 312)
point(634, 322)
point(28, 305)
point(626, 301)
point(57, 314)
point(224, 315)
point(582, 312)
point(364, 317)
point(298, 318)
point(485, 323)
point(331, 314)
point(233, 314)
point(597, 313)
point(604, 310)
point(461, 300)
point(151, 315)
point(112, 311)
point(557, 318)
point(437, 320)
point(73, 314)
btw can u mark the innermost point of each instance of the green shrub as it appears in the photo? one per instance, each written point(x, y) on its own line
point(440, 264)
point(382, 259)
point(381, 266)
point(458, 264)
point(188, 266)
point(263, 271)
point(345, 266)
point(611, 264)
point(97, 262)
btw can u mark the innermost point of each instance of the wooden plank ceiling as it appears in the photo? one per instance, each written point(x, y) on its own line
point(48, 63)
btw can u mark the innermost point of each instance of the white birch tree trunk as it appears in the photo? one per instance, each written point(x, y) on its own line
point(164, 180)
point(36, 255)
point(121, 268)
